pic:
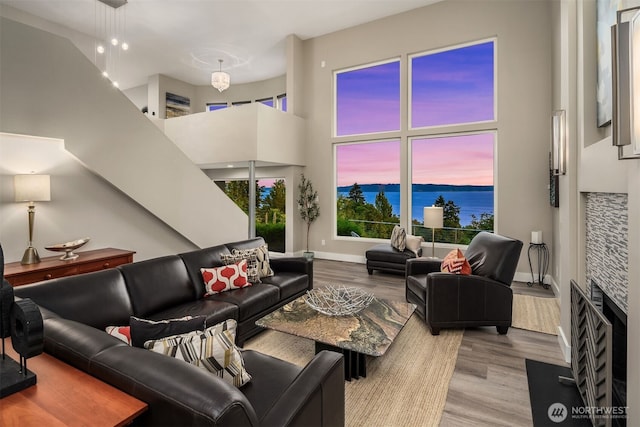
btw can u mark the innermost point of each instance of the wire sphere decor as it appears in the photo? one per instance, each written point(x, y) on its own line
point(338, 300)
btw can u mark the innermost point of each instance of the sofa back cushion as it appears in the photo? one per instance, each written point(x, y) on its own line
point(157, 284)
point(97, 299)
point(256, 242)
point(203, 258)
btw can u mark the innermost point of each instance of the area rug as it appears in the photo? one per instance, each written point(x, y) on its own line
point(536, 314)
point(405, 387)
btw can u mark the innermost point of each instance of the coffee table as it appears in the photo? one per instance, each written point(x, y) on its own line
point(367, 333)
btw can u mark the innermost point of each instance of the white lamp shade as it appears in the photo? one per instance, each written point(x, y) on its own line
point(433, 216)
point(32, 188)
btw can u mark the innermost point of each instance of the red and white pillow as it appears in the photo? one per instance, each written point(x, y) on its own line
point(455, 263)
point(121, 332)
point(225, 278)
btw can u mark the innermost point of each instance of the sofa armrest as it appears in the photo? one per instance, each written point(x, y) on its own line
point(417, 266)
point(300, 265)
point(316, 396)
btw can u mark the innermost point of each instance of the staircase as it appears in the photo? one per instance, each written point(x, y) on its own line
point(49, 88)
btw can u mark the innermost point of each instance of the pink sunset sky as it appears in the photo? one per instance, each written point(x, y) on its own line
point(448, 87)
point(457, 160)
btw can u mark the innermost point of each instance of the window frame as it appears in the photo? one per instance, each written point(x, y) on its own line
point(405, 134)
point(334, 131)
point(410, 58)
point(409, 189)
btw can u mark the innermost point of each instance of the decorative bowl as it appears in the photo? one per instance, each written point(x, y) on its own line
point(338, 300)
point(68, 248)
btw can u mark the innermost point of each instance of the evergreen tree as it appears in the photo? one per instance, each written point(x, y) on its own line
point(383, 206)
point(238, 191)
point(356, 195)
point(276, 199)
point(450, 212)
point(485, 222)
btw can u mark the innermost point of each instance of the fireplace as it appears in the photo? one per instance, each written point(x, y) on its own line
point(618, 320)
point(606, 267)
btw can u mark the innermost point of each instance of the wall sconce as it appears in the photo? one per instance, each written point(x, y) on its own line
point(433, 218)
point(559, 142)
point(31, 188)
point(625, 67)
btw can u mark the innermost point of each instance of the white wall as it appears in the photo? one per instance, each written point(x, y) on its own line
point(593, 167)
point(523, 31)
point(82, 205)
point(239, 134)
point(138, 95)
point(50, 89)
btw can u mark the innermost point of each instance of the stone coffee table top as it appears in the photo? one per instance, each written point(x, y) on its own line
point(371, 331)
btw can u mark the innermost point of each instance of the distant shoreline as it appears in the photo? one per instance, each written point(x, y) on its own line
point(419, 188)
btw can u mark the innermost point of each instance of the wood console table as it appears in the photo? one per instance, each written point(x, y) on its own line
point(52, 267)
point(66, 396)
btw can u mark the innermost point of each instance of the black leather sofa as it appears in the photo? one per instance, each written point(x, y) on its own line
point(77, 309)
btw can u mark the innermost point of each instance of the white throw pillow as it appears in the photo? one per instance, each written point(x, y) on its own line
point(413, 243)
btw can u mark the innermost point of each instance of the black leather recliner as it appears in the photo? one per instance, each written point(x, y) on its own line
point(484, 298)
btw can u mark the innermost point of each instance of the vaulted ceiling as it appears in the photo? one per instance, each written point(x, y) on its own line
point(184, 39)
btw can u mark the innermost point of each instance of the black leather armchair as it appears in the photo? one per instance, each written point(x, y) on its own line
point(483, 298)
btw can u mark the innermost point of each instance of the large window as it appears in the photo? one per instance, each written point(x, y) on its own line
point(450, 137)
point(456, 173)
point(368, 99)
point(368, 193)
point(453, 86)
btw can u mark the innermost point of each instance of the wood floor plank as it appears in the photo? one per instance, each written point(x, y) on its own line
point(489, 386)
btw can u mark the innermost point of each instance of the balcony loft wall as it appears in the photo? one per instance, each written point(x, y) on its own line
point(49, 88)
point(239, 134)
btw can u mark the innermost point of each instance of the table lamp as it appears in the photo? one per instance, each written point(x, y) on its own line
point(433, 218)
point(31, 188)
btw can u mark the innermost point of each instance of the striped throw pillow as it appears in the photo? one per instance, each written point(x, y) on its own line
point(213, 350)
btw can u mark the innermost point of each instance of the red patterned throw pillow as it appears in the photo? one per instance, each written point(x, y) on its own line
point(455, 263)
point(120, 332)
point(225, 278)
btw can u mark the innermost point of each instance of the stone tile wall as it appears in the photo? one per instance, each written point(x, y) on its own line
point(606, 244)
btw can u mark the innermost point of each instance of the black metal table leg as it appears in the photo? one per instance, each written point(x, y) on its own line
point(355, 365)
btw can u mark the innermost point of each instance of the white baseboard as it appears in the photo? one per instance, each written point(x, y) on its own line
point(565, 346)
point(360, 259)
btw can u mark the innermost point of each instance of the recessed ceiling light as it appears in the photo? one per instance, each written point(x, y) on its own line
point(229, 166)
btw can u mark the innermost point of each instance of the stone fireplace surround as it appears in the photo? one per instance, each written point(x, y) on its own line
point(606, 249)
point(606, 245)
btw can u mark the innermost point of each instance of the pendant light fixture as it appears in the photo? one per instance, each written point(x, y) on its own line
point(219, 79)
point(110, 36)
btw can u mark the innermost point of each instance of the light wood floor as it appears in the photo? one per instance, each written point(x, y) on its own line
point(489, 385)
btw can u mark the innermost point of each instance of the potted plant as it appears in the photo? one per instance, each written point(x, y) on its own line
point(308, 207)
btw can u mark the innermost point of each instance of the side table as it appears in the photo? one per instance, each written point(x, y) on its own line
point(52, 267)
point(542, 256)
point(66, 396)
